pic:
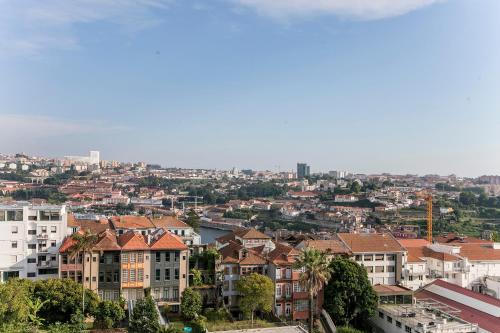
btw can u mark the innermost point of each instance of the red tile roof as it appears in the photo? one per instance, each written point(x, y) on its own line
point(283, 254)
point(479, 251)
point(250, 234)
point(418, 242)
point(453, 238)
point(131, 222)
point(368, 242)
point(107, 241)
point(167, 222)
point(168, 241)
point(132, 241)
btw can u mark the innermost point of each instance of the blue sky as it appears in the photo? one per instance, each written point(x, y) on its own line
point(402, 86)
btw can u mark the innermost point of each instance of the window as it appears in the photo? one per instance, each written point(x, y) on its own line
point(369, 269)
point(140, 274)
point(101, 276)
point(43, 229)
point(32, 246)
point(380, 315)
point(101, 259)
point(14, 229)
point(53, 244)
point(391, 257)
point(140, 257)
point(125, 275)
point(175, 292)
point(2, 215)
point(32, 232)
point(116, 258)
point(167, 274)
point(116, 276)
point(31, 261)
point(177, 254)
point(53, 229)
point(124, 258)
point(398, 324)
point(278, 273)
point(167, 256)
point(379, 257)
point(158, 256)
point(132, 275)
point(14, 244)
point(157, 275)
point(165, 293)
point(176, 274)
point(407, 329)
point(14, 215)
point(301, 305)
point(132, 258)
point(108, 259)
point(390, 269)
point(31, 274)
point(278, 290)
point(389, 319)
point(368, 257)
point(109, 276)
point(379, 269)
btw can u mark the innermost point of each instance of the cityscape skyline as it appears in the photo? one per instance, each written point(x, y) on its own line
point(380, 87)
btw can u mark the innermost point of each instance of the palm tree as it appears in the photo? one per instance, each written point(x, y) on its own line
point(84, 243)
point(316, 273)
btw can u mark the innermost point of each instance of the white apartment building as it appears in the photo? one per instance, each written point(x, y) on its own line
point(381, 255)
point(30, 236)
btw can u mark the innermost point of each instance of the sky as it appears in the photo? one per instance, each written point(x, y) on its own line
point(370, 86)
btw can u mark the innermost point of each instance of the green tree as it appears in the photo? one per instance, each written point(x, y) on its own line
point(144, 317)
point(193, 220)
point(257, 293)
point(83, 245)
point(190, 304)
point(355, 187)
point(197, 278)
point(349, 296)
point(34, 306)
point(14, 310)
point(108, 315)
point(316, 274)
point(64, 299)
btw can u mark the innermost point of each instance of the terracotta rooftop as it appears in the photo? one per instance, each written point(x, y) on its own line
point(418, 242)
point(167, 222)
point(107, 241)
point(283, 254)
point(368, 242)
point(479, 251)
point(453, 238)
point(168, 241)
point(250, 234)
point(132, 241)
point(131, 222)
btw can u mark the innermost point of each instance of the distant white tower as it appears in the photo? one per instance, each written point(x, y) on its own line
point(94, 157)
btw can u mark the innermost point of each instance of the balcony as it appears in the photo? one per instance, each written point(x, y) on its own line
point(47, 264)
point(42, 236)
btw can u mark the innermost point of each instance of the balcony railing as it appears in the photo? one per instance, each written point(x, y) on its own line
point(42, 236)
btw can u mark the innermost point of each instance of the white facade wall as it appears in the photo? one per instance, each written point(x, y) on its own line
point(375, 275)
point(29, 240)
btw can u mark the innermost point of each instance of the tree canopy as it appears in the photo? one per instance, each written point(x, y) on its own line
point(190, 304)
point(144, 317)
point(257, 293)
point(349, 296)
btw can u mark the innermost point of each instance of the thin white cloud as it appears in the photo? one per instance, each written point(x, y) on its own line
point(36, 127)
point(30, 26)
point(351, 9)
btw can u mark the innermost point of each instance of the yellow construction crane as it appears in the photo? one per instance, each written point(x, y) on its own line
point(428, 198)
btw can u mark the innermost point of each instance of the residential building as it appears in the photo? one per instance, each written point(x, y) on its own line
point(31, 236)
point(381, 255)
point(169, 268)
point(135, 264)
